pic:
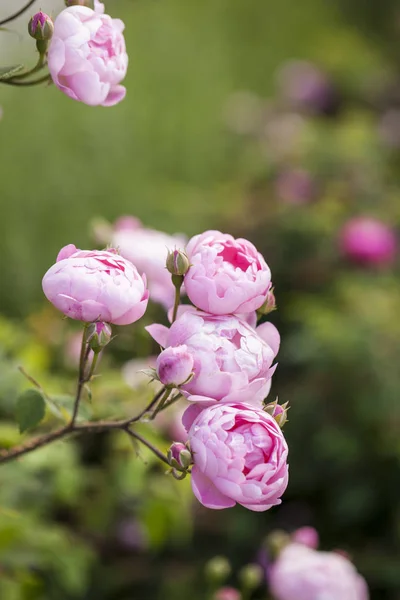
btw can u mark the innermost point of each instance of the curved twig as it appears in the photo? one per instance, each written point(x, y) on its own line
point(18, 13)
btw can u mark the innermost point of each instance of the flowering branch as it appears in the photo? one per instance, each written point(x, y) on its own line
point(18, 13)
point(89, 427)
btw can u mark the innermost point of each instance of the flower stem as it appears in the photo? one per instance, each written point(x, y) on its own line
point(12, 81)
point(18, 13)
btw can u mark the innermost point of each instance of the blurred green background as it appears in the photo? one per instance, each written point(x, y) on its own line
point(199, 143)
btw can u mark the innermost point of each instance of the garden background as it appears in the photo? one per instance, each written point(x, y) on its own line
point(206, 139)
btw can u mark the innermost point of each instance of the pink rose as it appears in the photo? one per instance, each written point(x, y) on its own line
point(232, 361)
point(96, 285)
point(87, 57)
point(369, 241)
point(240, 456)
point(301, 573)
point(227, 275)
point(148, 250)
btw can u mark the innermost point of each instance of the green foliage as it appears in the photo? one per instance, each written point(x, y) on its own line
point(30, 409)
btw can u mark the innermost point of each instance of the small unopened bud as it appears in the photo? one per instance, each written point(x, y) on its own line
point(179, 456)
point(217, 569)
point(278, 411)
point(177, 262)
point(174, 366)
point(98, 336)
point(276, 541)
point(87, 3)
point(227, 593)
point(269, 304)
point(251, 576)
point(308, 536)
point(41, 27)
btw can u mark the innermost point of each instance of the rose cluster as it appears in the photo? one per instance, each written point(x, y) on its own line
point(213, 353)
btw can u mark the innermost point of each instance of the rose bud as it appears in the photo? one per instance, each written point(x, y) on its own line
point(174, 366)
point(227, 593)
point(251, 576)
point(179, 456)
point(278, 411)
point(269, 304)
point(41, 27)
point(217, 569)
point(177, 262)
point(99, 335)
point(308, 536)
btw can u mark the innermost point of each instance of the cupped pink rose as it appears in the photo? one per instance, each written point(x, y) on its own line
point(231, 360)
point(148, 249)
point(240, 456)
point(227, 275)
point(87, 58)
point(369, 241)
point(97, 285)
point(301, 573)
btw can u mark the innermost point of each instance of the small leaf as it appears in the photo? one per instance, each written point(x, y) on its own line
point(7, 72)
point(30, 409)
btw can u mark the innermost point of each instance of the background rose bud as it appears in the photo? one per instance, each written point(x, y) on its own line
point(226, 275)
point(217, 569)
point(269, 304)
point(96, 285)
point(368, 240)
point(227, 593)
point(251, 576)
point(174, 366)
point(307, 536)
point(99, 335)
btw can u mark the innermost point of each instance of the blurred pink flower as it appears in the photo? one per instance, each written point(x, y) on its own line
point(227, 275)
point(368, 240)
point(227, 593)
point(148, 250)
point(240, 456)
point(87, 57)
point(308, 536)
point(232, 361)
point(97, 285)
point(301, 573)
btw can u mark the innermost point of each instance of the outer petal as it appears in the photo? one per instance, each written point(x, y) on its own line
point(159, 333)
point(206, 492)
point(269, 333)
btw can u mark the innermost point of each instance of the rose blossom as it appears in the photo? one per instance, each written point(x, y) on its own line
point(368, 240)
point(97, 285)
point(87, 58)
point(240, 456)
point(301, 573)
point(227, 275)
point(148, 250)
point(232, 361)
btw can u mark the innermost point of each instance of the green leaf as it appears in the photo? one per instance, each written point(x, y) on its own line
point(7, 72)
point(30, 409)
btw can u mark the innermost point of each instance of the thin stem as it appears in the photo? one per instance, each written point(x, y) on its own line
point(176, 303)
point(39, 65)
point(146, 443)
point(168, 404)
point(93, 366)
point(161, 404)
point(146, 409)
point(84, 355)
point(26, 83)
point(17, 14)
